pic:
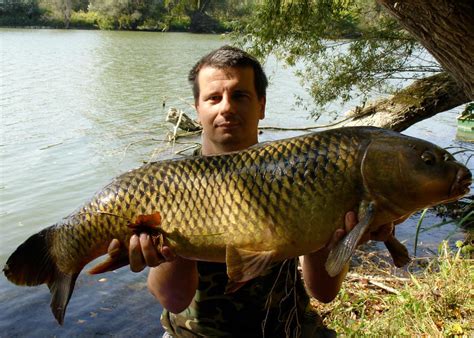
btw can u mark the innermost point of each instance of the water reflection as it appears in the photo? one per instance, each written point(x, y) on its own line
point(137, 73)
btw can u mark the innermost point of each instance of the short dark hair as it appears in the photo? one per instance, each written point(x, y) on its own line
point(225, 57)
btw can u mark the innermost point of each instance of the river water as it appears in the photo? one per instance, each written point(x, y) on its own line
point(80, 107)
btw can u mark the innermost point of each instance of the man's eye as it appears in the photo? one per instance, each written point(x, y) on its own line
point(240, 96)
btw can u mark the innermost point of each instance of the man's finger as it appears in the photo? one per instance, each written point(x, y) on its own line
point(168, 254)
point(150, 254)
point(350, 221)
point(336, 237)
point(137, 262)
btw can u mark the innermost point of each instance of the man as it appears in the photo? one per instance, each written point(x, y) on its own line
point(229, 89)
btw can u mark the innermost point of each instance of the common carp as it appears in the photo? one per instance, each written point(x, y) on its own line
point(251, 208)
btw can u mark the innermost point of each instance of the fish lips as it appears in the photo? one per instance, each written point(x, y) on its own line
point(462, 183)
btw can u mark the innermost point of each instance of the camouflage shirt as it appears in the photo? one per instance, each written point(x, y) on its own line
point(272, 305)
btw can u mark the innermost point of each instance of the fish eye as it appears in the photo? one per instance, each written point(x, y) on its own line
point(428, 157)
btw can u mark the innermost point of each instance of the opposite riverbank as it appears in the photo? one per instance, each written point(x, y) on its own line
point(202, 18)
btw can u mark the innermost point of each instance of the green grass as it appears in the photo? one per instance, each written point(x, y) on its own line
point(437, 301)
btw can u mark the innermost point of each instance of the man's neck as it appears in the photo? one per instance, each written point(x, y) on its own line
point(209, 148)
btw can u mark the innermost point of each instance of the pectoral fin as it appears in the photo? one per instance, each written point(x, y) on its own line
point(244, 265)
point(398, 252)
point(341, 253)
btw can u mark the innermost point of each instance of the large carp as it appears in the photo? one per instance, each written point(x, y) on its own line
point(251, 208)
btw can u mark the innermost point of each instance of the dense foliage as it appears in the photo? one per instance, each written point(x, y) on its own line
point(158, 15)
point(345, 49)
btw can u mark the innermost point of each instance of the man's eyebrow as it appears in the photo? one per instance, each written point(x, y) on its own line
point(211, 92)
point(242, 91)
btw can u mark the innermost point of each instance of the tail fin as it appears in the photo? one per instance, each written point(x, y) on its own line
point(32, 264)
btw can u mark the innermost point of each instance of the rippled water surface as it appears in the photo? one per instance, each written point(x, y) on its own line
point(80, 107)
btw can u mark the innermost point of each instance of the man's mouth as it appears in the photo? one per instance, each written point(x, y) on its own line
point(228, 124)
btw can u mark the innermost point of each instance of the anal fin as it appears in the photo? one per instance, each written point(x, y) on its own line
point(398, 252)
point(146, 223)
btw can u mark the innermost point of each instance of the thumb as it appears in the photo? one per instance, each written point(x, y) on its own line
point(336, 237)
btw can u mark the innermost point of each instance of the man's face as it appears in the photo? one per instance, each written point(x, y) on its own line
point(228, 109)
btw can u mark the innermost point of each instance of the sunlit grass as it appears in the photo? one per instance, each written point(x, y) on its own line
point(437, 301)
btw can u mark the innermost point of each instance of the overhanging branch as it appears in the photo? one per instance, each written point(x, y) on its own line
point(423, 99)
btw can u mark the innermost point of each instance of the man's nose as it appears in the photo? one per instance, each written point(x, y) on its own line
point(226, 106)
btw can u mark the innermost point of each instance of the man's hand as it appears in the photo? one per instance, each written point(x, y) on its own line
point(381, 234)
point(142, 252)
point(349, 223)
point(319, 284)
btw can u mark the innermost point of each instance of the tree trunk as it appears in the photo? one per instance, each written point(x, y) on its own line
point(446, 29)
point(422, 99)
point(203, 23)
point(65, 6)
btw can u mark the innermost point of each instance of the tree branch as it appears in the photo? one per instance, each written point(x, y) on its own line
point(422, 99)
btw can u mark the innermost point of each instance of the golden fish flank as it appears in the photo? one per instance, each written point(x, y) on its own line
point(270, 202)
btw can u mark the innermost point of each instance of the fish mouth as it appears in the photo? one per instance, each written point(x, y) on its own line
point(462, 183)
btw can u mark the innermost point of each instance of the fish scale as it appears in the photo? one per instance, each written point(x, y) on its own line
point(295, 162)
point(271, 202)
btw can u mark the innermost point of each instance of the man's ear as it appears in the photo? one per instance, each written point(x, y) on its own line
point(263, 102)
point(196, 107)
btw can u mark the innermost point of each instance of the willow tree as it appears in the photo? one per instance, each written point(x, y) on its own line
point(446, 29)
point(357, 49)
